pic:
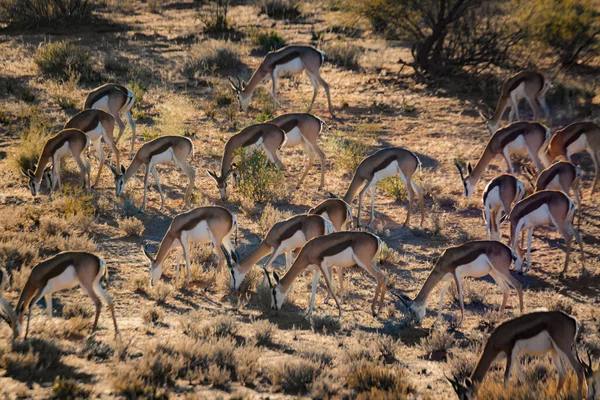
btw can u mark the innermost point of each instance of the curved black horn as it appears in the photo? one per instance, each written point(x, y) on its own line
point(460, 171)
point(268, 276)
point(227, 258)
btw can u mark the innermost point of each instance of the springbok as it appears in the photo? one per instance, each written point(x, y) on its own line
point(476, 259)
point(543, 208)
point(384, 164)
point(530, 85)
point(288, 60)
point(336, 211)
point(68, 141)
point(158, 151)
point(339, 249)
point(64, 271)
point(97, 125)
point(284, 237)
point(536, 333)
point(499, 195)
point(303, 129)
point(114, 99)
point(563, 176)
point(518, 137)
point(211, 224)
point(269, 137)
point(574, 138)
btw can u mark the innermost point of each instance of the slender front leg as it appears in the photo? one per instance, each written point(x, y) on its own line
point(288, 259)
point(101, 158)
point(48, 298)
point(186, 256)
point(529, 239)
point(442, 295)
point(274, 91)
point(315, 284)
point(132, 125)
point(509, 166)
point(360, 198)
point(146, 176)
point(325, 272)
point(372, 205)
point(162, 196)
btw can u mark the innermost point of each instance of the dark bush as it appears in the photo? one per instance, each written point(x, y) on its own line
point(280, 9)
point(63, 59)
point(267, 40)
point(45, 13)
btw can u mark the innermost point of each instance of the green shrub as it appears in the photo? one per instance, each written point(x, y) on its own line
point(75, 200)
point(131, 227)
point(259, 180)
point(280, 9)
point(350, 152)
point(394, 187)
point(267, 40)
point(343, 54)
point(64, 58)
point(44, 13)
point(212, 57)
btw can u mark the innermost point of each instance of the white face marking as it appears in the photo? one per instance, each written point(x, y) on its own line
point(277, 298)
point(236, 278)
point(244, 101)
point(119, 185)
point(469, 187)
point(419, 311)
point(156, 272)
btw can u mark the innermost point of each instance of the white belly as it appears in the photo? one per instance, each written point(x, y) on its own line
point(96, 133)
point(200, 233)
point(538, 345)
point(391, 170)
point(293, 138)
point(554, 184)
point(101, 104)
point(62, 150)
point(343, 259)
point(163, 157)
point(477, 268)
point(66, 280)
point(518, 93)
point(539, 216)
point(517, 146)
point(292, 67)
point(493, 199)
point(295, 241)
point(579, 145)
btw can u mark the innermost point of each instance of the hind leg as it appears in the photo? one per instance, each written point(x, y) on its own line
point(100, 292)
point(315, 83)
point(132, 125)
point(162, 196)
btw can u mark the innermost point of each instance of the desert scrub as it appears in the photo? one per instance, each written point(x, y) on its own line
point(349, 152)
point(389, 256)
point(32, 137)
point(263, 332)
point(437, 344)
point(16, 253)
point(64, 92)
point(43, 13)
point(162, 291)
point(212, 57)
point(344, 54)
point(394, 187)
point(153, 315)
point(378, 381)
point(267, 40)
point(269, 217)
point(131, 227)
point(325, 324)
point(62, 59)
point(259, 180)
point(74, 201)
point(69, 389)
point(280, 9)
point(33, 359)
point(294, 377)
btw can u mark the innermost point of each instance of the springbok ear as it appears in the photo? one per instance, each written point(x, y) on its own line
point(147, 254)
point(112, 169)
point(213, 175)
point(122, 170)
point(469, 168)
point(468, 382)
point(233, 86)
point(276, 277)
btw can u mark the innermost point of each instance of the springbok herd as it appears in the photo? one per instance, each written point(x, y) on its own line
point(321, 234)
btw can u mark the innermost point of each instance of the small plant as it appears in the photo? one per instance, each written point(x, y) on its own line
point(437, 344)
point(155, 6)
point(75, 200)
point(140, 282)
point(343, 54)
point(389, 256)
point(68, 389)
point(259, 180)
point(64, 58)
point(217, 22)
point(152, 315)
point(263, 116)
point(294, 377)
point(222, 326)
point(63, 92)
point(326, 324)
point(364, 376)
point(74, 309)
point(212, 57)
point(350, 152)
point(131, 227)
point(280, 9)
point(162, 291)
point(267, 40)
point(394, 187)
point(264, 332)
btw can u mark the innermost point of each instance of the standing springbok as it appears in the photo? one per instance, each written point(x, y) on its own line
point(268, 137)
point(574, 138)
point(68, 141)
point(384, 164)
point(64, 271)
point(10, 317)
point(530, 85)
point(158, 151)
point(475, 259)
point(518, 137)
point(288, 60)
point(336, 211)
point(303, 129)
point(592, 377)
point(499, 195)
point(211, 224)
point(562, 175)
point(114, 99)
point(543, 208)
point(341, 250)
point(536, 333)
point(97, 125)
point(284, 237)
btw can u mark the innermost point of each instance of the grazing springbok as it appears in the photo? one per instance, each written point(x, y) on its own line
point(288, 60)
point(211, 224)
point(158, 151)
point(499, 195)
point(10, 317)
point(543, 208)
point(64, 271)
point(384, 164)
point(303, 129)
point(114, 99)
point(268, 137)
point(574, 138)
point(519, 137)
point(475, 259)
point(336, 211)
point(284, 237)
point(563, 176)
point(536, 333)
point(339, 249)
point(97, 125)
point(68, 141)
point(529, 85)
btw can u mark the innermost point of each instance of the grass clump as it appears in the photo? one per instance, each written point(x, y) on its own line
point(350, 152)
point(44, 13)
point(212, 57)
point(64, 92)
point(64, 58)
point(68, 389)
point(437, 344)
point(294, 377)
point(259, 180)
point(267, 40)
point(377, 381)
point(269, 217)
point(343, 54)
point(280, 9)
point(75, 200)
point(394, 187)
point(326, 324)
point(263, 332)
point(131, 227)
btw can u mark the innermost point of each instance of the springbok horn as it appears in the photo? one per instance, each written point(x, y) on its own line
point(227, 258)
point(268, 276)
point(460, 171)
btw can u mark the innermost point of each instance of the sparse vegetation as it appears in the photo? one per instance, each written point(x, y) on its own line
point(294, 377)
point(63, 59)
point(131, 226)
point(280, 9)
point(41, 13)
point(267, 40)
point(343, 54)
point(212, 57)
point(259, 180)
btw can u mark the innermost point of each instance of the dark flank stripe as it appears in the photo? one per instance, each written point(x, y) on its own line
point(468, 258)
point(291, 231)
point(192, 223)
point(161, 149)
point(253, 139)
point(384, 164)
point(335, 249)
point(288, 126)
point(573, 138)
point(286, 58)
point(511, 137)
point(515, 84)
point(59, 268)
point(531, 206)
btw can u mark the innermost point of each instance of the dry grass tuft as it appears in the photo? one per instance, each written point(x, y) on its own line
point(343, 54)
point(437, 344)
point(263, 332)
point(68, 389)
point(153, 315)
point(162, 291)
point(212, 57)
point(326, 324)
point(280, 9)
point(64, 58)
point(294, 377)
point(131, 227)
point(377, 381)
